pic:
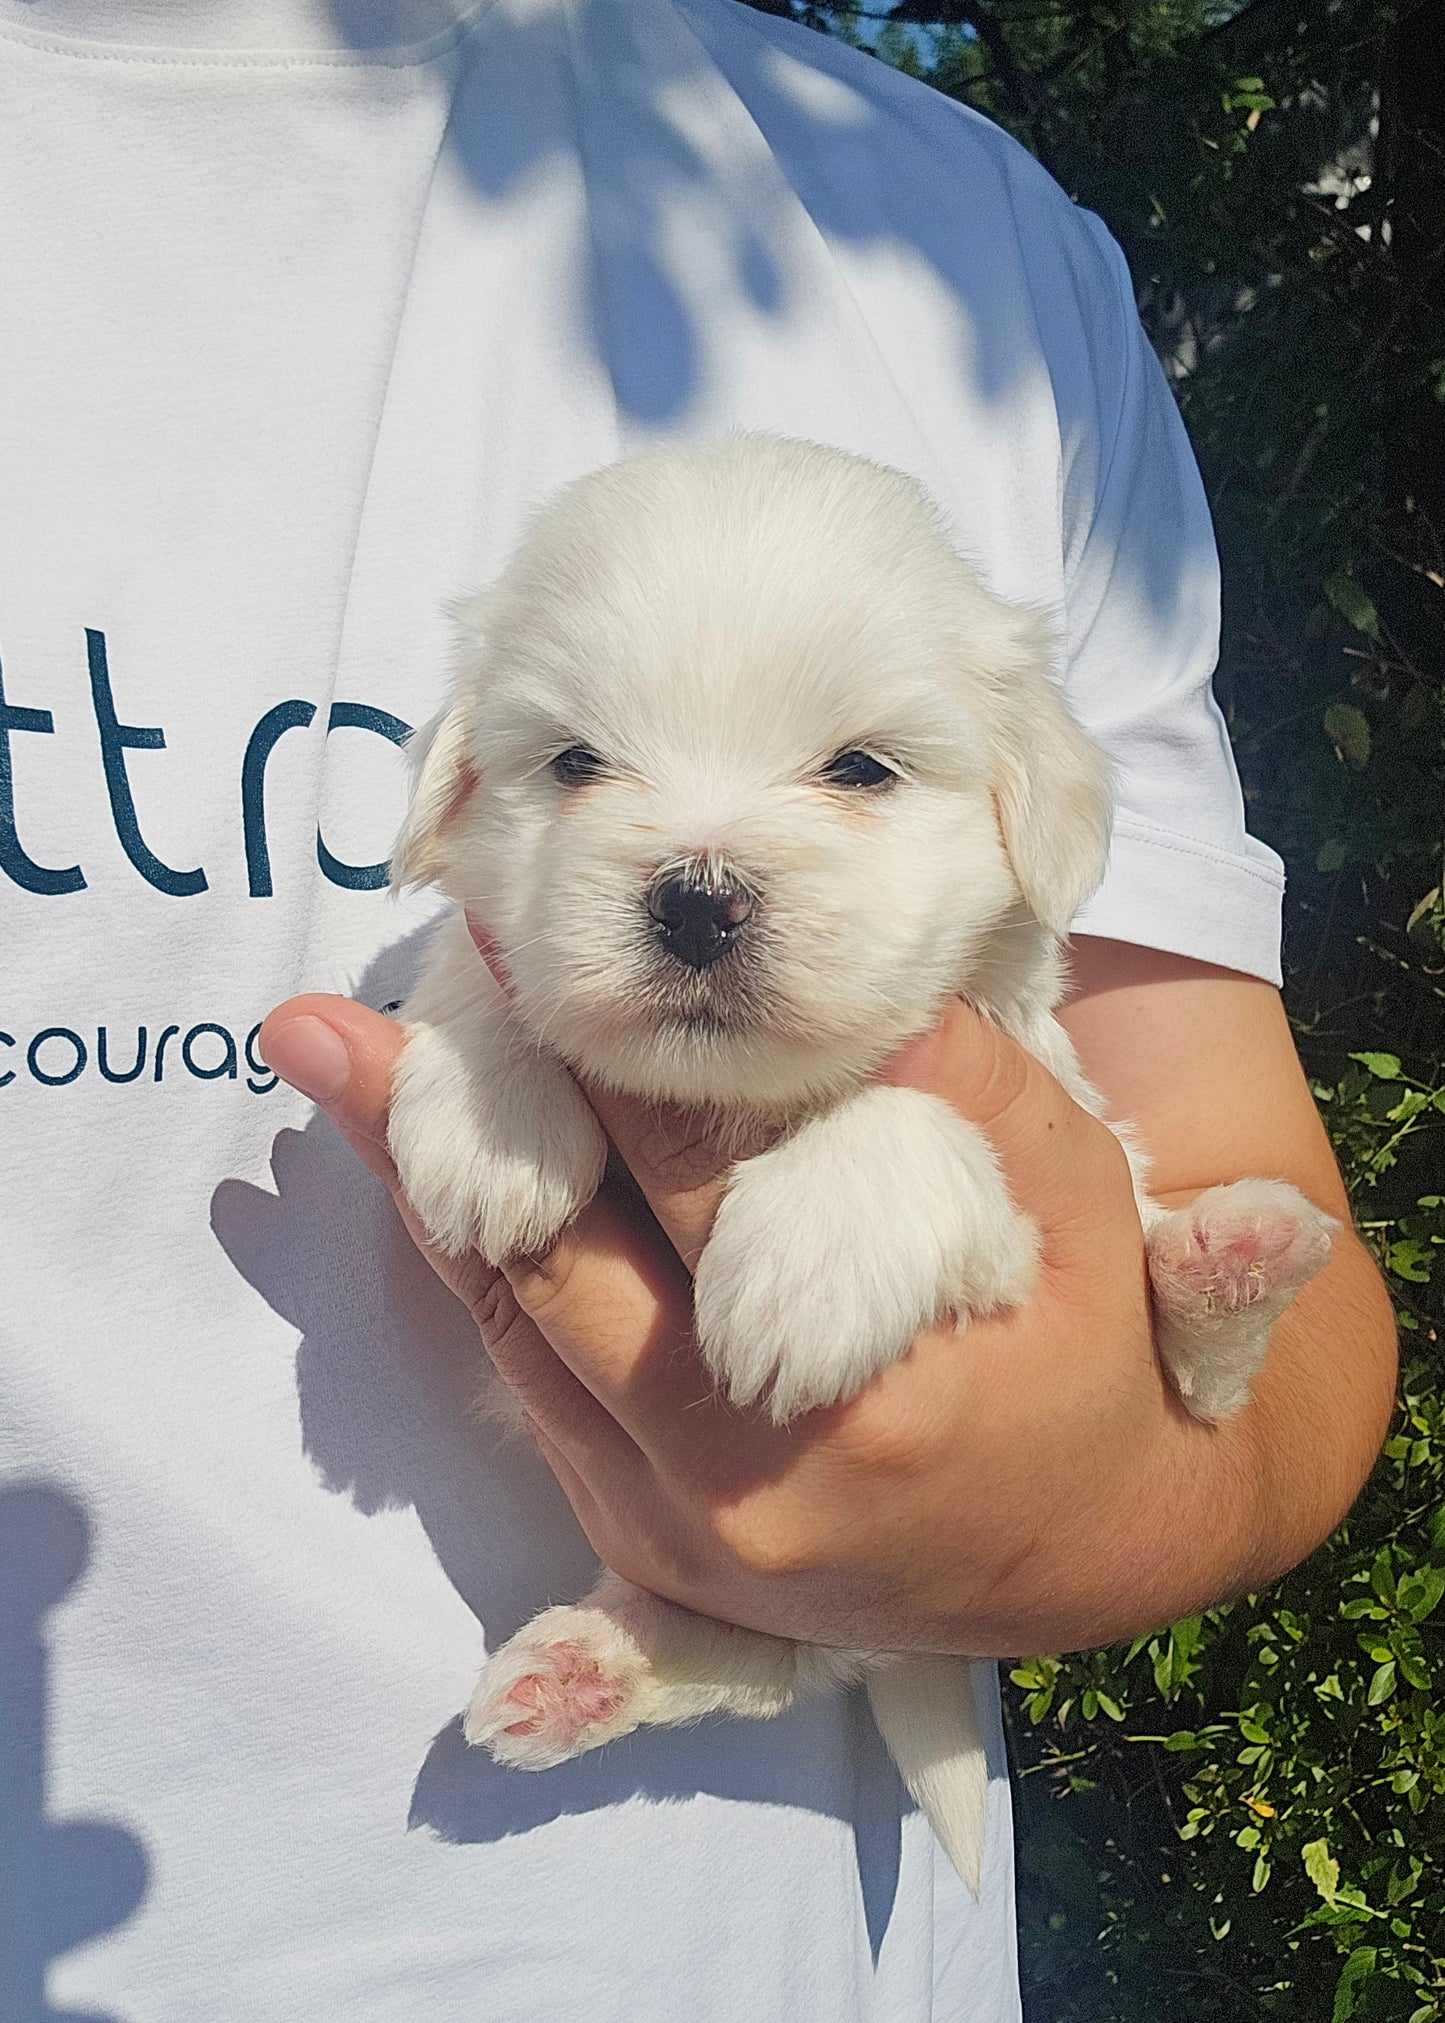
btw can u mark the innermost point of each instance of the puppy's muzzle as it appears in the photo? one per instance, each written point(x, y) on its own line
point(697, 919)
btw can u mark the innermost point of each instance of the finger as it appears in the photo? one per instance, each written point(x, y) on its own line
point(342, 1055)
point(563, 1416)
point(615, 1302)
point(1063, 1166)
point(680, 1160)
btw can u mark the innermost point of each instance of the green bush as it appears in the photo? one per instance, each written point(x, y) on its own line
point(1246, 1810)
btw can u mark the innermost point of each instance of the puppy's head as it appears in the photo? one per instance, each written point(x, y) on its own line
point(745, 771)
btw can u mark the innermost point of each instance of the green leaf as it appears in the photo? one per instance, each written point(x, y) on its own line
point(1425, 1587)
point(1346, 596)
point(1414, 1671)
point(1382, 1685)
point(1348, 730)
point(1410, 1260)
point(1400, 1886)
point(1321, 1868)
point(1411, 1103)
point(1384, 1067)
point(1332, 855)
point(1247, 94)
point(1349, 1989)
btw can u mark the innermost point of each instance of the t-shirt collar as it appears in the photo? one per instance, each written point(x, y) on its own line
point(379, 30)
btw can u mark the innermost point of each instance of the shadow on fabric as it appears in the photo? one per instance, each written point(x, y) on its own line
point(62, 1882)
point(781, 134)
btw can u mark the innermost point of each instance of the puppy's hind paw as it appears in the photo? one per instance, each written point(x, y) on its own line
point(1223, 1269)
point(570, 1681)
point(1254, 1241)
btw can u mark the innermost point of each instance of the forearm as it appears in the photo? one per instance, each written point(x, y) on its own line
point(1170, 1514)
point(1204, 1063)
point(1299, 1454)
point(1200, 1514)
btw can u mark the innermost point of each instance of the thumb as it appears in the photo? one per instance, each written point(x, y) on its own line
point(1062, 1165)
point(342, 1055)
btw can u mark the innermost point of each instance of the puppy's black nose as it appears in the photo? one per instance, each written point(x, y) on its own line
point(698, 920)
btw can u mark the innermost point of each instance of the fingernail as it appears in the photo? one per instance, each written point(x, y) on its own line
point(306, 1053)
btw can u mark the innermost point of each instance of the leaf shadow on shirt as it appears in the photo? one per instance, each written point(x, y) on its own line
point(725, 155)
point(765, 150)
point(62, 1882)
point(393, 1384)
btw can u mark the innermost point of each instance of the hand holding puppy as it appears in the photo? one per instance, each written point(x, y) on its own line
point(1047, 1492)
point(988, 1505)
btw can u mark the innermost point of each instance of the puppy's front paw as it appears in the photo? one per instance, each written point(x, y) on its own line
point(833, 1249)
point(1222, 1270)
point(496, 1152)
point(571, 1680)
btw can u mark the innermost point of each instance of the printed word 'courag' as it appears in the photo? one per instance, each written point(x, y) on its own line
point(56, 1056)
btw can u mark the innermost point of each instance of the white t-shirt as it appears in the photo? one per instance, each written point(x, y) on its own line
point(303, 306)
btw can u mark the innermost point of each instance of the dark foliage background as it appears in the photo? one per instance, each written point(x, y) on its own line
point(1245, 1815)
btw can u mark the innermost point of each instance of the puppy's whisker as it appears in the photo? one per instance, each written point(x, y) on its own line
point(516, 948)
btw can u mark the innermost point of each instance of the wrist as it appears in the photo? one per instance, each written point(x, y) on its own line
point(1173, 1532)
point(1200, 1513)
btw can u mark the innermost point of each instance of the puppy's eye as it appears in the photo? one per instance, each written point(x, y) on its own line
point(858, 769)
point(576, 766)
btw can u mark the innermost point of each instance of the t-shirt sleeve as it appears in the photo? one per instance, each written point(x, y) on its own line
point(1141, 630)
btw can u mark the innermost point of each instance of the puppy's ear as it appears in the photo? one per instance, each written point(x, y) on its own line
point(1052, 786)
point(443, 772)
point(444, 778)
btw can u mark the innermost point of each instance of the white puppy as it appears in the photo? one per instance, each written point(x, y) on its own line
point(745, 772)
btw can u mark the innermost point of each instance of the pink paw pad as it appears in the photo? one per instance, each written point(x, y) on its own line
point(1237, 1245)
point(570, 1695)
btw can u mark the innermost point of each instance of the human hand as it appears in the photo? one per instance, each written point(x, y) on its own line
point(1033, 1484)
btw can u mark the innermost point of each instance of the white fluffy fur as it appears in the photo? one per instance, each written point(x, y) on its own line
point(716, 624)
point(836, 1304)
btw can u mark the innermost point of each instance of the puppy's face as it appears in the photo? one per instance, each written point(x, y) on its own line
point(746, 772)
